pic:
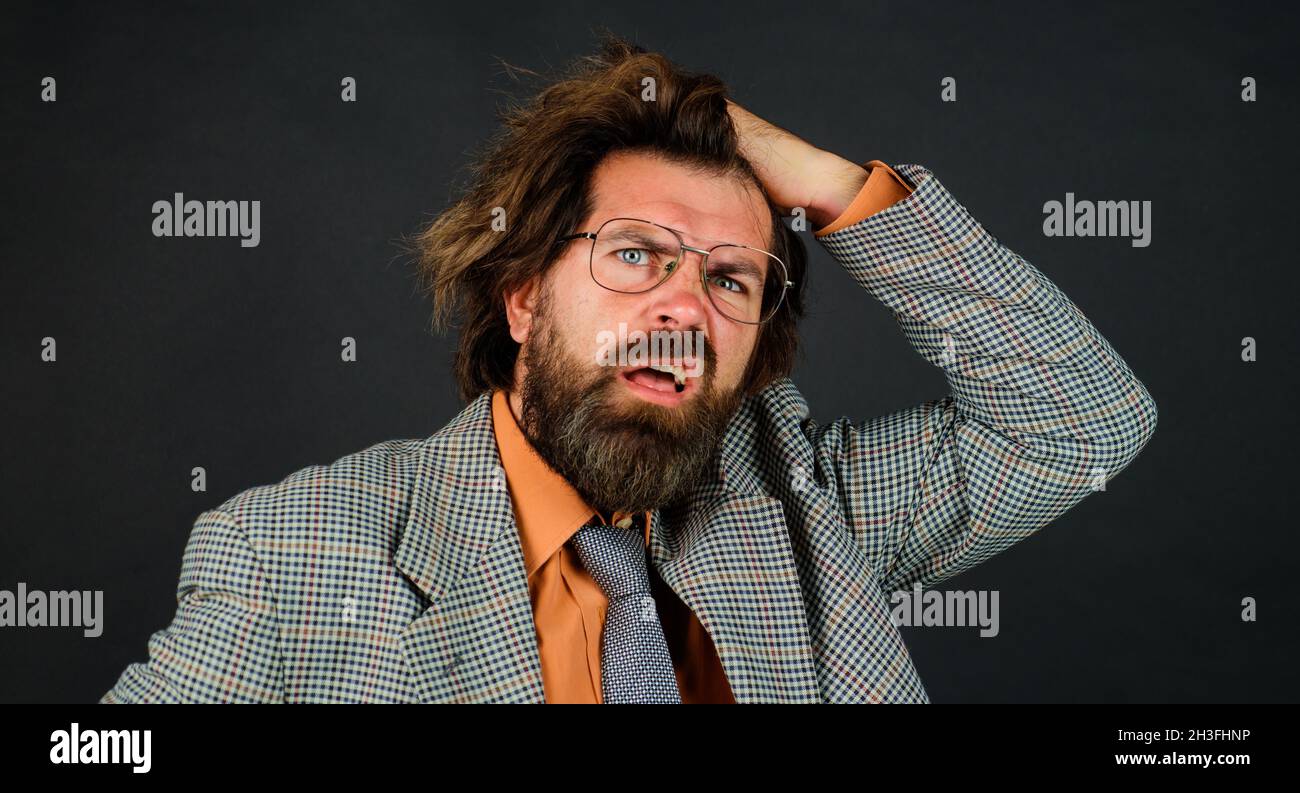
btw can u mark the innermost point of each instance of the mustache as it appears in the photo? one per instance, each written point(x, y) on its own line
point(688, 353)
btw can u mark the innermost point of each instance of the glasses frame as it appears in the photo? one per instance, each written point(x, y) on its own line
point(681, 254)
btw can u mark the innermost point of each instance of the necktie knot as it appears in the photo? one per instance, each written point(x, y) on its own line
point(615, 558)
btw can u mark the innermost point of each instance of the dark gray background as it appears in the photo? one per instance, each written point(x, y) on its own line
point(182, 352)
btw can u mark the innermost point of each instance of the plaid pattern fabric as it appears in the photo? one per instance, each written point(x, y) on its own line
point(395, 574)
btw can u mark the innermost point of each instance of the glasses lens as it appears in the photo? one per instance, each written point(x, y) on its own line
point(745, 284)
point(632, 256)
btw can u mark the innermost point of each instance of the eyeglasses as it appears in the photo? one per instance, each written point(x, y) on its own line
point(631, 256)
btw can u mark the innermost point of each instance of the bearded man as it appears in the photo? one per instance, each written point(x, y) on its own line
point(671, 528)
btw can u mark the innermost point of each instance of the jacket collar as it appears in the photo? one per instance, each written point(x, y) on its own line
point(727, 555)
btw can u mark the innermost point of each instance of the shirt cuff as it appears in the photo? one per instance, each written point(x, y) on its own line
point(883, 189)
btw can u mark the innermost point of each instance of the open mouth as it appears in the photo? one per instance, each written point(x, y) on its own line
point(664, 383)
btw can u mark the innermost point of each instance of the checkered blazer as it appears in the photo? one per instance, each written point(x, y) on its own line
point(395, 574)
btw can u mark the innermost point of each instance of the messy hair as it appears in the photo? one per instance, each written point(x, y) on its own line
point(538, 168)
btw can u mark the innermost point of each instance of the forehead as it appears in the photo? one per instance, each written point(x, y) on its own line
point(704, 207)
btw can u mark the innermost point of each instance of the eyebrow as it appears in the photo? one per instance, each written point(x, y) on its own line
point(731, 268)
point(734, 268)
point(631, 235)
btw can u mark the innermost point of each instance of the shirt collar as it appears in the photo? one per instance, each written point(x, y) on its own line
point(547, 508)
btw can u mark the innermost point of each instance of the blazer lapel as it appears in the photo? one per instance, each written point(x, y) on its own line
point(729, 559)
point(476, 641)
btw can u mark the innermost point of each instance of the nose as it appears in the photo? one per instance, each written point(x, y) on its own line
point(681, 301)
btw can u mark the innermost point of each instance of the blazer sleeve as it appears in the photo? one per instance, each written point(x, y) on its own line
point(1042, 410)
point(223, 643)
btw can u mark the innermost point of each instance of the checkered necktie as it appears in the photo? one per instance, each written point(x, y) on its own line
point(634, 661)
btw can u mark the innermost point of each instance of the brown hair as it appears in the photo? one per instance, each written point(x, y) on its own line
point(538, 168)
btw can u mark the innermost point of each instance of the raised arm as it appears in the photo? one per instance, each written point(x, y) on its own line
point(1042, 410)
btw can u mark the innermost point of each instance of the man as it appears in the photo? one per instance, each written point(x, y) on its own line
point(670, 528)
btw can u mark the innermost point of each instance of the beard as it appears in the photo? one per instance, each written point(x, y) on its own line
point(619, 453)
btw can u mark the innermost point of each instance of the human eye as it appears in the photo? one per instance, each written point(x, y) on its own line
point(740, 276)
point(634, 257)
point(729, 284)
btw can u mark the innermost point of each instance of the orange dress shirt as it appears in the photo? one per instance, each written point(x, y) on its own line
point(884, 188)
point(568, 605)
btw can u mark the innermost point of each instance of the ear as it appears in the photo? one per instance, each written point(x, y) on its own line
point(520, 304)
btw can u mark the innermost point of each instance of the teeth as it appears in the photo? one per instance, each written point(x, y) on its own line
point(678, 373)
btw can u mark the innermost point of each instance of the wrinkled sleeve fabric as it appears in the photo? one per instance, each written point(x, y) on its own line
point(1042, 411)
